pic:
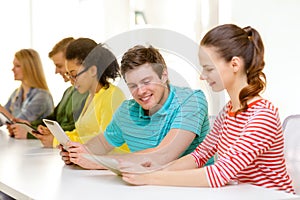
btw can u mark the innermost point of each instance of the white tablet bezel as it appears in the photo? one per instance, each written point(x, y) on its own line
point(110, 163)
point(57, 131)
point(4, 119)
point(28, 128)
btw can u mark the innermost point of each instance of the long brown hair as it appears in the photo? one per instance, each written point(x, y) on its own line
point(231, 40)
point(32, 68)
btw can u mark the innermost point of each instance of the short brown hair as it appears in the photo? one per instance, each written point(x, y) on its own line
point(60, 46)
point(139, 55)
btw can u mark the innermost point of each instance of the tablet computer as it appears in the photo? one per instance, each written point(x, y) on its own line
point(57, 131)
point(113, 164)
point(28, 128)
point(4, 119)
point(110, 163)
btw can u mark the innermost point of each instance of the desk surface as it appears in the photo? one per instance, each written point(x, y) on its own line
point(28, 171)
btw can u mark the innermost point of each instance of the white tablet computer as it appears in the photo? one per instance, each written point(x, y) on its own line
point(57, 131)
point(4, 119)
point(108, 162)
point(28, 128)
point(113, 164)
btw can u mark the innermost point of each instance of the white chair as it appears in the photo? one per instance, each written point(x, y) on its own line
point(291, 128)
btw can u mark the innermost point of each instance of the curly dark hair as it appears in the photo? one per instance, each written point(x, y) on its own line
point(106, 63)
point(79, 49)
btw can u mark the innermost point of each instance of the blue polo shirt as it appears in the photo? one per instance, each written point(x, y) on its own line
point(184, 109)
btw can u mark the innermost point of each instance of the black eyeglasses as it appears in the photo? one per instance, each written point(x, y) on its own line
point(74, 77)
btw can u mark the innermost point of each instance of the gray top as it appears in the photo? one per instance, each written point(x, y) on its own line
point(37, 105)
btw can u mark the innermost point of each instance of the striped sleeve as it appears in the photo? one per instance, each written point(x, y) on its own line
point(208, 147)
point(255, 138)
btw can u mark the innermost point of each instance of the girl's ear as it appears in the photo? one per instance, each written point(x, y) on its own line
point(93, 70)
point(236, 63)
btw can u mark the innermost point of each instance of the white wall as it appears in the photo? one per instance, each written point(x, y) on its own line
point(278, 23)
point(276, 20)
point(15, 33)
point(189, 19)
point(40, 24)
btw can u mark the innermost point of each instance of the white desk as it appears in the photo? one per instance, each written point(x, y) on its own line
point(28, 171)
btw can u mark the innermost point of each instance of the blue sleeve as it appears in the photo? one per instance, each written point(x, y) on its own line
point(8, 104)
point(113, 133)
point(36, 107)
point(192, 114)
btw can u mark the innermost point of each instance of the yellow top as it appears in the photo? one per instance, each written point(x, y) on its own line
point(95, 117)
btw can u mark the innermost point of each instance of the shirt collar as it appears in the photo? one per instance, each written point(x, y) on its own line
point(20, 93)
point(164, 109)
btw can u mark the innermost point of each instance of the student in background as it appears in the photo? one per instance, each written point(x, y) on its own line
point(32, 100)
point(247, 135)
point(68, 109)
point(92, 77)
point(70, 106)
point(162, 122)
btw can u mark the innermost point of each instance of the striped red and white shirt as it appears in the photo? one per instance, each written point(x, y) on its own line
point(249, 148)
